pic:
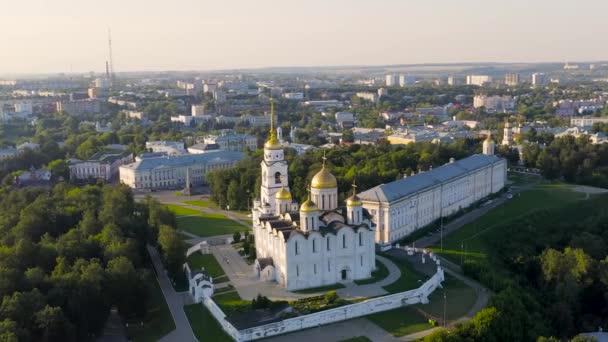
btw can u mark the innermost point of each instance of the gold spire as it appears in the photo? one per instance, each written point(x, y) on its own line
point(273, 143)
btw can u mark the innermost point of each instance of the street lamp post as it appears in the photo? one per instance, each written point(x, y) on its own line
point(445, 305)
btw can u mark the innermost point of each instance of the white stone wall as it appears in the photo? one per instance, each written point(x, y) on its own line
point(419, 295)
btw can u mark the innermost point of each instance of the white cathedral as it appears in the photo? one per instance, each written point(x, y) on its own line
point(320, 243)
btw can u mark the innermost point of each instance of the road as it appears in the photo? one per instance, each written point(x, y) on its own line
point(175, 301)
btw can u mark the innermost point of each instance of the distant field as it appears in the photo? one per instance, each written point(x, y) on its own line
point(470, 237)
point(459, 299)
point(205, 225)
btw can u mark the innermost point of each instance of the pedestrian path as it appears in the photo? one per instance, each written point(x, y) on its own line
point(175, 302)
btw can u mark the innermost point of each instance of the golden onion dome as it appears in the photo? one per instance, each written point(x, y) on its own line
point(273, 144)
point(324, 180)
point(309, 206)
point(283, 194)
point(353, 201)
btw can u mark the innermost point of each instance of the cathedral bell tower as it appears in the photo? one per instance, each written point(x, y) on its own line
point(274, 168)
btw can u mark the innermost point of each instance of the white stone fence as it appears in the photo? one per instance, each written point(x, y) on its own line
point(202, 247)
point(370, 306)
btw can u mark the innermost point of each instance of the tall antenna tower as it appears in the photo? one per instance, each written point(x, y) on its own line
point(112, 76)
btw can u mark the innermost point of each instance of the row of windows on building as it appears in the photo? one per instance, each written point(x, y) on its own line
point(314, 266)
point(328, 244)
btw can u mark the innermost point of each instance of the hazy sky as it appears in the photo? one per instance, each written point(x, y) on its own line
point(71, 35)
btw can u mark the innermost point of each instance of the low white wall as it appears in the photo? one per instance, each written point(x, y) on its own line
point(419, 295)
point(202, 247)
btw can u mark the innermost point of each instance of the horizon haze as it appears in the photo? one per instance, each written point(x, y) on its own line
point(44, 36)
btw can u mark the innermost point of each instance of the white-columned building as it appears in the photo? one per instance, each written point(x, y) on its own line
point(102, 165)
point(170, 172)
point(401, 207)
point(320, 243)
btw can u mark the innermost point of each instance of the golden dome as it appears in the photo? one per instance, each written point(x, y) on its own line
point(489, 138)
point(309, 206)
point(283, 194)
point(273, 143)
point(353, 201)
point(324, 180)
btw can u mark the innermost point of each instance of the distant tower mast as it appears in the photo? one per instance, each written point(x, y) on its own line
point(112, 77)
point(107, 71)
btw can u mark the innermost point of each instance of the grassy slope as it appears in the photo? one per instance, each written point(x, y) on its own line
point(206, 261)
point(204, 326)
point(411, 319)
point(471, 236)
point(410, 278)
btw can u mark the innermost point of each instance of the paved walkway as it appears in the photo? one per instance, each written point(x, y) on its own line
point(353, 291)
point(175, 301)
point(242, 278)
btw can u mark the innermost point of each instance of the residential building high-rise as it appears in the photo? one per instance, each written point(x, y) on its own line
point(391, 80)
point(478, 80)
point(512, 79)
point(539, 79)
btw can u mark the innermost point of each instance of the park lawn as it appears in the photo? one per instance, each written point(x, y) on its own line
point(357, 339)
point(460, 298)
point(409, 279)
point(469, 240)
point(400, 322)
point(208, 262)
point(181, 211)
point(209, 225)
point(198, 203)
point(380, 273)
point(204, 326)
point(320, 289)
point(158, 321)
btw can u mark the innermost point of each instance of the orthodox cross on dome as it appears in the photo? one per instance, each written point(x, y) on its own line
point(324, 159)
point(308, 190)
point(354, 187)
point(273, 133)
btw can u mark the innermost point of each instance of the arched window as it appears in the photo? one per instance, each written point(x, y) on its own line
point(344, 241)
point(277, 178)
point(323, 201)
point(360, 239)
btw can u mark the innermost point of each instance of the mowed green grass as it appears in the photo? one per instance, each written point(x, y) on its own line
point(411, 319)
point(204, 325)
point(380, 273)
point(209, 225)
point(158, 321)
point(181, 211)
point(471, 237)
point(203, 204)
point(208, 262)
point(357, 339)
point(410, 278)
